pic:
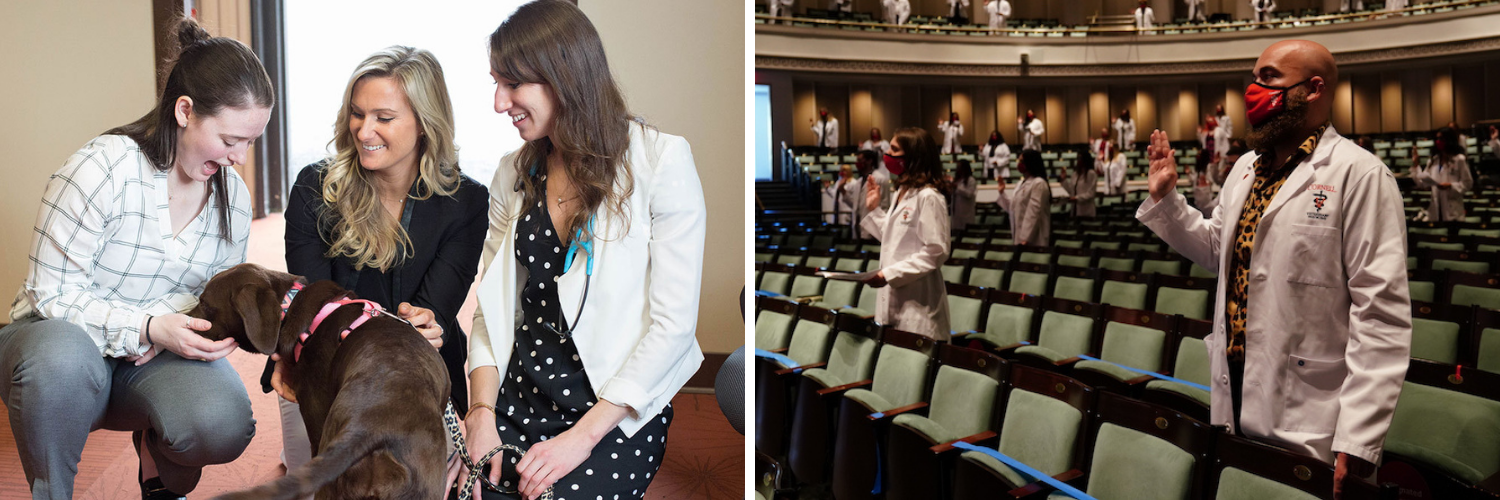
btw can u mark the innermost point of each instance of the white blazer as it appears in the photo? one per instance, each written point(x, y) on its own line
point(1082, 188)
point(1030, 208)
point(636, 333)
point(999, 10)
point(1125, 133)
point(1447, 204)
point(827, 133)
point(951, 132)
point(913, 244)
point(883, 146)
point(1145, 17)
point(1031, 134)
point(1329, 331)
point(996, 159)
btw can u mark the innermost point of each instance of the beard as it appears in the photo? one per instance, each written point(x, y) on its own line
point(1281, 127)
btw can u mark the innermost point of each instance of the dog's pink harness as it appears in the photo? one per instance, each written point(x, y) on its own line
point(371, 310)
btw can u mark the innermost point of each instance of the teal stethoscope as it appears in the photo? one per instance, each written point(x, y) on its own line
point(577, 243)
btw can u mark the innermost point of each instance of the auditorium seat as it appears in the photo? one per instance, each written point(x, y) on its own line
point(775, 383)
point(900, 382)
point(1123, 289)
point(964, 393)
point(1190, 297)
point(851, 360)
point(774, 321)
point(1046, 417)
point(965, 308)
point(1439, 332)
point(1067, 330)
point(1009, 320)
point(1135, 440)
point(1131, 338)
point(1191, 364)
point(1447, 426)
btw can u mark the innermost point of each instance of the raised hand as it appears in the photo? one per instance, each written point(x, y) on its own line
point(872, 196)
point(1163, 178)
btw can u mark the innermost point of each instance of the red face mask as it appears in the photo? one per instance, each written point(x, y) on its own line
point(1263, 101)
point(895, 164)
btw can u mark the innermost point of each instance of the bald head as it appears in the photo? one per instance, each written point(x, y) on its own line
point(1290, 62)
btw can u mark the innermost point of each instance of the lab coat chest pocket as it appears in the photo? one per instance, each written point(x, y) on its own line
point(1312, 398)
point(1316, 256)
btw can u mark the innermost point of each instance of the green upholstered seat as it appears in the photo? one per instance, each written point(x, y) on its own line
point(764, 257)
point(1454, 432)
point(1489, 350)
point(1068, 243)
point(998, 255)
point(850, 360)
point(1459, 265)
point(1189, 303)
point(1062, 336)
point(1434, 340)
point(900, 377)
point(1143, 247)
point(1073, 260)
point(1028, 283)
point(1487, 248)
point(1123, 457)
point(1170, 267)
point(776, 282)
point(773, 330)
point(1116, 264)
point(1134, 346)
point(1236, 484)
point(1006, 325)
point(1487, 233)
point(1465, 295)
point(1191, 365)
point(1071, 288)
point(986, 277)
point(963, 313)
point(1106, 245)
point(962, 402)
point(806, 286)
point(793, 259)
point(953, 273)
point(1036, 258)
point(809, 342)
point(1421, 290)
point(965, 253)
point(1039, 431)
point(1197, 271)
point(849, 265)
point(1124, 294)
point(837, 294)
point(820, 261)
point(1441, 231)
point(1440, 245)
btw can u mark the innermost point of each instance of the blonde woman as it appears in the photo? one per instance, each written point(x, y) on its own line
point(390, 216)
point(585, 327)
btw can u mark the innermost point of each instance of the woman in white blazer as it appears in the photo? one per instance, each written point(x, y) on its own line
point(965, 188)
point(1031, 131)
point(952, 129)
point(1124, 131)
point(1113, 170)
point(1447, 175)
point(1030, 206)
point(825, 129)
point(593, 265)
point(1081, 187)
point(996, 156)
point(913, 233)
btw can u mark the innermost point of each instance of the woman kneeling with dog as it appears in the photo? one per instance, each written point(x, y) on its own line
point(130, 229)
point(596, 241)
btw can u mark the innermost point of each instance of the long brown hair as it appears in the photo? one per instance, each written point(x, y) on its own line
point(215, 72)
point(923, 166)
point(552, 43)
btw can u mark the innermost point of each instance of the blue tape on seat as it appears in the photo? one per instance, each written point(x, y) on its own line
point(779, 358)
point(1026, 471)
point(1144, 372)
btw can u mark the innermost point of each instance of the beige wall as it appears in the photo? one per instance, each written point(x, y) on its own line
point(686, 75)
point(72, 70)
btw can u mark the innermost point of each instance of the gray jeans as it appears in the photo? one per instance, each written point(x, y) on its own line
point(58, 388)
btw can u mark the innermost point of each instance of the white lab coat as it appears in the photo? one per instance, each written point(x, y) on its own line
point(883, 146)
point(1030, 208)
point(1114, 174)
point(951, 132)
point(896, 11)
point(1394, 5)
point(780, 8)
point(1082, 188)
point(913, 245)
point(1263, 9)
point(1031, 135)
point(851, 195)
point(1329, 328)
point(1195, 11)
point(996, 159)
point(1227, 125)
point(1145, 18)
point(964, 193)
point(955, 8)
point(1447, 204)
point(829, 195)
point(998, 10)
point(1358, 5)
point(1495, 148)
point(827, 133)
point(1203, 190)
point(882, 178)
point(1124, 133)
point(636, 332)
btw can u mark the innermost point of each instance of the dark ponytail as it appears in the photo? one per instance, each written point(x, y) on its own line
point(215, 72)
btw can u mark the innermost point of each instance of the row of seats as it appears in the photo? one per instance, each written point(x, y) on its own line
point(885, 407)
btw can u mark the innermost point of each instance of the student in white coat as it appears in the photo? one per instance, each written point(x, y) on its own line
point(996, 156)
point(999, 10)
point(1395, 5)
point(1195, 11)
point(1145, 18)
point(1494, 142)
point(1096, 148)
point(1446, 174)
point(875, 143)
point(1081, 186)
point(1224, 121)
point(825, 129)
point(1030, 206)
point(1312, 334)
point(846, 195)
point(913, 236)
point(1114, 170)
point(1124, 129)
point(1358, 5)
point(1263, 9)
point(1031, 131)
point(952, 129)
point(780, 8)
point(896, 11)
point(871, 171)
point(956, 10)
point(965, 188)
point(593, 267)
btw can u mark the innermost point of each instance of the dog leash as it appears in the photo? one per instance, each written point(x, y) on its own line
point(476, 467)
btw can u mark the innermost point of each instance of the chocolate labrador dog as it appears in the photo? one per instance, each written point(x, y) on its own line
point(373, 401)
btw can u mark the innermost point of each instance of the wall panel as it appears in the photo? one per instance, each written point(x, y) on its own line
point(1390, 103)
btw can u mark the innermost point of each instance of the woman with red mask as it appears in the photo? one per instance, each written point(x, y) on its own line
point(913, 236)
point(1031, 206)
point(1446, 174)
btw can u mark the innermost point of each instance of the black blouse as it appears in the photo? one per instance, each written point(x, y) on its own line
point(447, 233)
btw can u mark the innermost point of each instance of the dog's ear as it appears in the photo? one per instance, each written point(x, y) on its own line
point(261, 312)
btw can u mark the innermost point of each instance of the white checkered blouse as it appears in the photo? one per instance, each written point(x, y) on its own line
point(103, 255)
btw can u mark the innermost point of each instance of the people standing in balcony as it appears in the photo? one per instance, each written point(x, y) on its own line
point(1124, 131)
point(1030, 206)
point(999, 10)
point(1145, 18)
point(1395, 5)
point(1031, 131)
point(1081, 186)
point(896, 11)
point(1195, 11)
point(1113, 170)
point(1357, 4)
point(914, 238)
point(1224, 121)
point(964, 191)
point(841, 8)
point(826, 129)
point(952, 129)
point(875, 143)
point(1263, 9)
point(956, 10)
point(1446, 174)
point(780, 8)
point(996, 156)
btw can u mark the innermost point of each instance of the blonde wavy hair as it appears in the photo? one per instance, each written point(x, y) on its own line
point(361, 228)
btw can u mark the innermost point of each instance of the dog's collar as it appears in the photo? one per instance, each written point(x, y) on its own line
point(371, 309)
point(286, 302)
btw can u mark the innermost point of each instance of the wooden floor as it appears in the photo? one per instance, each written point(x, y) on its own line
point(704, 460)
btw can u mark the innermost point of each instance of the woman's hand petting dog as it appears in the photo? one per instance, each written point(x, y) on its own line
point(425, 321)
point(179, 333)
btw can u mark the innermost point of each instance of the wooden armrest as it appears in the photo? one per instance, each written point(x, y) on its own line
point(1040, 487)
point(1067, 362)
point(808, 299)
point(1140, 380)
point(790, 371)
point(1490, 484)
point(1003, 351)
point(974, 440)
point(779, 350)
point(839, 389)
point(960, 335)
point(891, 413)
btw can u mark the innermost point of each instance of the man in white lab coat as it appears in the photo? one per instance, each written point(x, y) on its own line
point(999, 10)
point(826, 129)
point(780, 8)
point(1124, 131)
point(1195, 11)
point(1031, 131)
point(952, 129)
point(956, 14)
point(875, 143)
point(1263, 9)
point(870, 170)
point(1312, 329)
point(1145, 18)
point(896, 11)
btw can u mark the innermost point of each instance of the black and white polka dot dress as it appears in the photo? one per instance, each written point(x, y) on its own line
point(546, 391)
